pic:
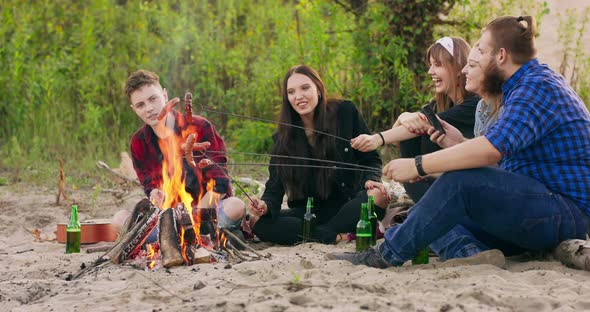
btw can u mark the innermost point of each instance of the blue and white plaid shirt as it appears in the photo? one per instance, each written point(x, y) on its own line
point(544, 132)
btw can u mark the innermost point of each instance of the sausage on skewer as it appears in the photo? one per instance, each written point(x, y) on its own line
point(168, 108)
point(188, 107)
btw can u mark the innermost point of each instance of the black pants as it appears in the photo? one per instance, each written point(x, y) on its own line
point(332, 217)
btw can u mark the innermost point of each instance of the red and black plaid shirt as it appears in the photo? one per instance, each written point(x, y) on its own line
point(147, 159)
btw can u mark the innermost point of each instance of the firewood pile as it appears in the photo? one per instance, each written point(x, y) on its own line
point(179, 241)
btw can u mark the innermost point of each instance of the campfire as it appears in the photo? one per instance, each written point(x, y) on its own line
point(179, 224)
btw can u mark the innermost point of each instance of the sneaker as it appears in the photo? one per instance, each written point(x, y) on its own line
point(370, 257)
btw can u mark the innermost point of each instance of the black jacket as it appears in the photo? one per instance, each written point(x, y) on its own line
point(346, 182)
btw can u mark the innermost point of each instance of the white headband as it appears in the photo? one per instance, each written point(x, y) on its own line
point(447, 43)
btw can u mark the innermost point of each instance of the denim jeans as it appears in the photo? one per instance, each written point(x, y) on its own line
point(468, 211)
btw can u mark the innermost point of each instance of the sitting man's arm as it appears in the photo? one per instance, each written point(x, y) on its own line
point(474, 153)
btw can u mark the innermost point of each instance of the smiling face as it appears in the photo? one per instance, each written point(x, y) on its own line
point(303, 95)
point(147, 102)
point(485, 50)
point(474, 73)
point(443, 83)
point(493, 76)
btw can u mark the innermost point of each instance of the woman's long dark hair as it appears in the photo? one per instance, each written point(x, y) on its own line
point(292, 141)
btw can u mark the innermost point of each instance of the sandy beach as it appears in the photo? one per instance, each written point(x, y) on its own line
point(293, 279)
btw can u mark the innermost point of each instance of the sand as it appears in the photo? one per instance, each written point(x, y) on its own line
point(293, 279)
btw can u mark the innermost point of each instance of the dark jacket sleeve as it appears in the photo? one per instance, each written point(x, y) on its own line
point(274, 189)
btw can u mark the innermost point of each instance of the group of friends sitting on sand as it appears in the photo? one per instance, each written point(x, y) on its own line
point(509, 171)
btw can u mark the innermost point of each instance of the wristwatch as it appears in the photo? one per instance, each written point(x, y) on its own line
point(418, 160)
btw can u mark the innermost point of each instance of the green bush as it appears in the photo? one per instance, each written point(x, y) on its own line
point(64, 64)
point(251, 136)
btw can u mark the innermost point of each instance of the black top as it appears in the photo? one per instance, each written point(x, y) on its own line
point(347, 183)
point(460, 116)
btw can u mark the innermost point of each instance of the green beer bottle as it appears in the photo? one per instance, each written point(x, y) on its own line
point(308, 220)
point(373, 220)
point(73, 234)
point(363, 230)
point(422, 256)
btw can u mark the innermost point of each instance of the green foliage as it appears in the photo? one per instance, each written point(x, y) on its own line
point(575, 62)
point(468, 17)
point(64, 64)
point(251, 136)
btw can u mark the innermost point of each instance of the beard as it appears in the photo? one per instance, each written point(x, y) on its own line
point(492, 80)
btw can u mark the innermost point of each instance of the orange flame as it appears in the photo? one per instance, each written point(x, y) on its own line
point(213, 196)
point(223, 240)
point(151, 252)
point(174, 178)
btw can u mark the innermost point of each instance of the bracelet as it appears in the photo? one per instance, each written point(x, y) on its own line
point(382, 139)
point(418, 160)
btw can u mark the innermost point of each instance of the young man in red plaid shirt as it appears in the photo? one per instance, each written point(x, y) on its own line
point(148, 99)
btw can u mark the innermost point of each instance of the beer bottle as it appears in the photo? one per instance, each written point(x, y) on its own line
point(73, 234)
point(422, 256)
point(308, 220)
point(363, 230)
point(373, 220)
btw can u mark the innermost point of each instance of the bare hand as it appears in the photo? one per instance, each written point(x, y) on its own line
point(401, 170)
point(157, 198)
point(452, 137)
point(370, 184)
point(366, 143)
point(258, 207)
point(415, 122)
point(204, 163)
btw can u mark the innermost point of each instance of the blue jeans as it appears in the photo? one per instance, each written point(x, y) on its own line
point(468, 211)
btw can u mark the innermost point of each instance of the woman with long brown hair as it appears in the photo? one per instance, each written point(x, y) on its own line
point(452, 103)
point(323, 131)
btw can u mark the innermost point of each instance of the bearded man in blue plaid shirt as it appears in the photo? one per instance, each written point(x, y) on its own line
point(537, 196)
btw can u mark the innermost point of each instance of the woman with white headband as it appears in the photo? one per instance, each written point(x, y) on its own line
point(446, 57)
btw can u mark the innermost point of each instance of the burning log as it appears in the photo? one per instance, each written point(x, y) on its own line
point(208, 227)
point(197, 254)
point(184, 221)
point(169, 241)
point(131, 242)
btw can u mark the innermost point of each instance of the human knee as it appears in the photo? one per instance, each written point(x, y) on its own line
point(234, 208)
